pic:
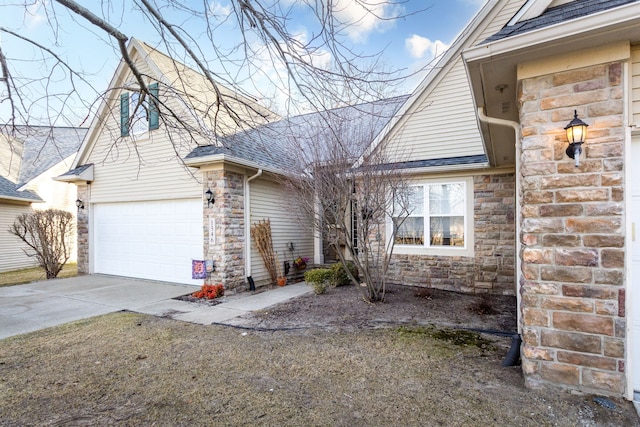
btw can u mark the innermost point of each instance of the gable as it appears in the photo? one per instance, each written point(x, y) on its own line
point(439, 119)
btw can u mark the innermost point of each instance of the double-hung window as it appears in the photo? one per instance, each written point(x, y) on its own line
point(439, 218)
point(139, 113)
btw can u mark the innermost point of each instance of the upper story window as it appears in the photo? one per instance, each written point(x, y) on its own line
point(139, 113)
point(440, 218)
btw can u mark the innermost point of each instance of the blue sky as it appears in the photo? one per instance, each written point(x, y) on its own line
point(409, 43)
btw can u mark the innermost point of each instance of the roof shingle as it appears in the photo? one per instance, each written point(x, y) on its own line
point(556, 15)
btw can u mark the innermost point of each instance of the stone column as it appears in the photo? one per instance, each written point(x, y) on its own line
point(227, 251)
point(573, 305)
point(82, 228)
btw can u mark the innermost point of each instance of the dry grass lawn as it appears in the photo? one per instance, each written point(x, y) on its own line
point(18, 277)
point(129, 369)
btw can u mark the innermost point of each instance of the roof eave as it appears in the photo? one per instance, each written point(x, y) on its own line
point(21, 199)
point(84, 176)
point(585, 32)
point(202, 161)
point(623, 16)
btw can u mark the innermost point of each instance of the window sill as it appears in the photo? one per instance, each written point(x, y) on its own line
point(433, 251)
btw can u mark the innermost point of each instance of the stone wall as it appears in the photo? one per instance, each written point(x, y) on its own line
point(228, 212)
point(573, 309)
point(82, 227)
point(492, 268)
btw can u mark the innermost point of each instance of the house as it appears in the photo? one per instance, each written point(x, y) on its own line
point(30, 156)
point(144, 179)
point(507, 210)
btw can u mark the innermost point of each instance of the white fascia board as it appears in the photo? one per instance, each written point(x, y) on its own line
point(198, 162)
point(580, 26)
point(96, 122)
point(20, 199)
point(84, 176)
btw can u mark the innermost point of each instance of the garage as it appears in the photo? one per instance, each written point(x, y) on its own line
point(149, 240)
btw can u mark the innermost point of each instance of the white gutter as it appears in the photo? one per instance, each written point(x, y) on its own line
point(247, 222)
point(516, 127)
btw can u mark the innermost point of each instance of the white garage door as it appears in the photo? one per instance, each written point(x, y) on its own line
point(148, 240)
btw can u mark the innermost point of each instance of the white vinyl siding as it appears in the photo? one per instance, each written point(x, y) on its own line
point(442, 122)
point(145, 166)
point(11, 255)
point(269, 201)
point(635, 85)
point(443, 126)
point(140, 168)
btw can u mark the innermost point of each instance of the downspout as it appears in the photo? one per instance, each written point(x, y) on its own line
point(247, 223)
point(513, 356)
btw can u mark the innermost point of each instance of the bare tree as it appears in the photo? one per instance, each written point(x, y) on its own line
point(48, 234)
point(351, 205)
point(298, 68)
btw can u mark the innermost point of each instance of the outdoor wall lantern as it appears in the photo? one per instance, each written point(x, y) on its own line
point(79, 204)
point(209, 195)
point(576, 135)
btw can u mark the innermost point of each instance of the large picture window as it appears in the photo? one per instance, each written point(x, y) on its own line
point(437, 216)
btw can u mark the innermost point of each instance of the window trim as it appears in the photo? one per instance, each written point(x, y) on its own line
point(469, 241)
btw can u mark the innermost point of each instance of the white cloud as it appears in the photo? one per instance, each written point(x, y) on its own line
point(36, 13)
point(220, 10)
point(419, 46)
point(359, 20)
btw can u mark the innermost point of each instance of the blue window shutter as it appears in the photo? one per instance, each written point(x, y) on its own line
point(154, 113)
point(124, 114)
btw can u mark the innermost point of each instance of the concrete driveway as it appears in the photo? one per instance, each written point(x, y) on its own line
point(38, 305)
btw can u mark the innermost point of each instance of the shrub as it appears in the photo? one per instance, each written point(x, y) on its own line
point(209, 291)
point(319, 279)
point(340, 276)
point(48, 235)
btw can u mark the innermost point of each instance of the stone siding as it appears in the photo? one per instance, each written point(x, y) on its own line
point(572, 309)
point(82, 225)
point(492, 268)
point(228, 211)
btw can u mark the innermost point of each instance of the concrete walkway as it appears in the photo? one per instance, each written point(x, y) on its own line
point(38, 305)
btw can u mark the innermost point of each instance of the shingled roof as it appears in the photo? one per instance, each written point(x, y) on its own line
point(557, 15)
point(270, 146)
point(9, 190)
point(44, 147)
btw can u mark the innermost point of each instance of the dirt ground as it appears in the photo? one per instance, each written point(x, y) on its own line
point(344, 308)
point(318, 360)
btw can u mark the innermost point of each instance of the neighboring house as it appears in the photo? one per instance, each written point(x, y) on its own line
point(145, 210)
point(144, 191)
point(268, 150)
point(501, 206)
point(30, 156)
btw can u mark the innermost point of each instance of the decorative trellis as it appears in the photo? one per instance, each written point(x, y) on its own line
point(261, 233)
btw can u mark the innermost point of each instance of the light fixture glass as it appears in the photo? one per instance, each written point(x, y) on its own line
point(79, 204)
point(576, 135)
